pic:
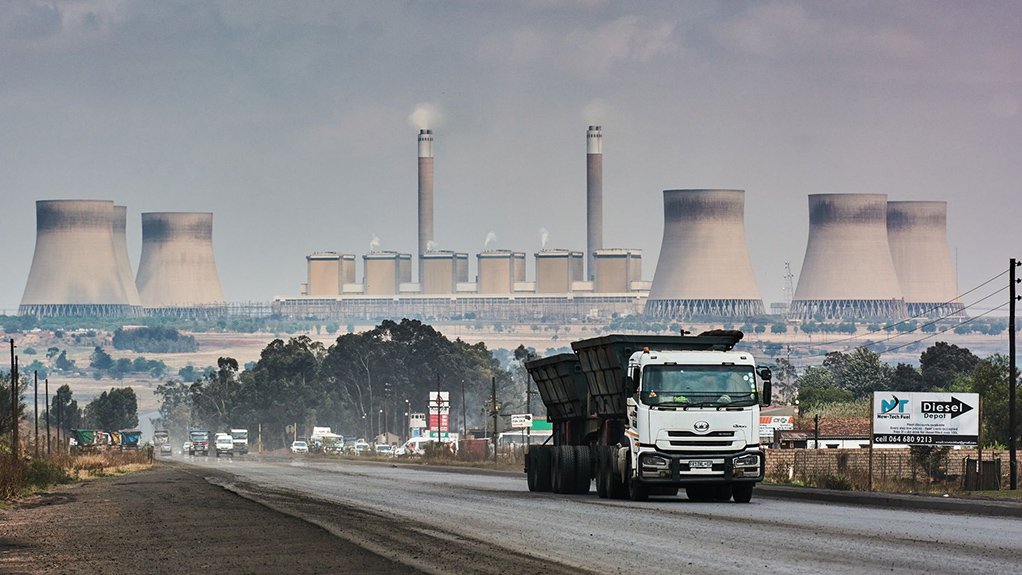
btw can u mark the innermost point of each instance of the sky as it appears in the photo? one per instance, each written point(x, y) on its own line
point(295, 123)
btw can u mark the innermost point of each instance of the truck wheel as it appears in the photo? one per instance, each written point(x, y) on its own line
point(699, 493)
point(603, 470)
point(542, 462)
point(637, 491)
point(616, 488)
point(742, 492)
point(583, 469)
point(722, 493)
point(566, 470)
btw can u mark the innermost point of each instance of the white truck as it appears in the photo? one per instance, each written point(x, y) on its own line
point(239, 437)
point(223, 443)
point(647, 415)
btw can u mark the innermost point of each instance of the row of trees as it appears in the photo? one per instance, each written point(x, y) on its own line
point(362, 384)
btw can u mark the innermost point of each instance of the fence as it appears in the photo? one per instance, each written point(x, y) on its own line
point(896, 470)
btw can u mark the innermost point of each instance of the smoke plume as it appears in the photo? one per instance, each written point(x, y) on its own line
point(374, 244)
point(543, 237)
point(490, 238)
point(424, 116)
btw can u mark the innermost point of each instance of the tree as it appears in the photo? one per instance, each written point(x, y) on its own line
point(100, 360)
point(113, 410)
point(785, 378)
point(817, 386)
point(5, 402)
point(62, 363)
point(990, 380)
point(861, 373)
point(942, 362)
point(64, 409)
point(906, 378)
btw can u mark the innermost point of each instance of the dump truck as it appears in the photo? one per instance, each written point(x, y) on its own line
point(240, 439)
point(200, 442)
point(649, 414)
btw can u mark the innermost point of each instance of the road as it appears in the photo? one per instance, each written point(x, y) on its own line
point(441, 522)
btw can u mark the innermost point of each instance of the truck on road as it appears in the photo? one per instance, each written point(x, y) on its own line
point(646, 415)
point(161, 442)
point(240, 440)
point(200, 442)
point(223, 443)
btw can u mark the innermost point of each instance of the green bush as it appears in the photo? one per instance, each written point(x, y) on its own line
point(41, 473)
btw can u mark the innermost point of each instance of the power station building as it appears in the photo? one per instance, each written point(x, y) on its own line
point(76, 269)
point(848, 272)
point(917, 234)
point(704, 268)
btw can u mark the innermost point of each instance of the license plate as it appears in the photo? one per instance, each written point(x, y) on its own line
point(700, 464)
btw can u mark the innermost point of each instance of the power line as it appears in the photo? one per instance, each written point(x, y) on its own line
point(918, 315)
point(935, 334)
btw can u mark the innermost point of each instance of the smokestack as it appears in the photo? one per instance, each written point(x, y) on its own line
point(594, 195)
point(704, 268)
point(425, 193)
point(848, 272)
point(917, 232)
point(121, 253)
point(74, 268)
point(177, 267)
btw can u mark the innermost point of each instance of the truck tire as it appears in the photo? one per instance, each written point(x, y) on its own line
point(603, 470)
point(722, 492)
point(530, 468)
point(569, 469)
point(542, 463)
point(583, 469)
point(742, 492)
point(555, 469)
point(616, 488)
point(636, 490)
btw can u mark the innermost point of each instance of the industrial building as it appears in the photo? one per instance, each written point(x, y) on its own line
point(917, 234)
point(76, 269)
point(324, 274)
point(558, 270)
point(704, 268)
point(617, 270)
point(848, 272)
point(177, 270)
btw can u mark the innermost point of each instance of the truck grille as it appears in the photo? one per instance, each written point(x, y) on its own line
point(675, 440)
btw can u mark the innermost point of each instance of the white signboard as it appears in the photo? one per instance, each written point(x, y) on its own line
point(521, 421)
point(417, 420)
point(769, 423)
point(439, 403)
point(925, 418)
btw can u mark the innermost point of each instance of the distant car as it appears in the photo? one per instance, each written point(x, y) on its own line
point(414, 446)
point(384, 450)
point(186, 448)
point(299, 447)
point(361, 446)
point(166, 449)
point(224, 445)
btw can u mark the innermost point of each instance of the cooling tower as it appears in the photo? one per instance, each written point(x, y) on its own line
point(917, 233)
point(347, 270)
point(594, 194)
point(121, 253)
point(616, 269)
point(75, 267)
point(438, 272)
point(381, 273)
point(177, 268)
point(495, 272)
point(556, 270)
point(848, 272)
point(324, 274)
point(425, 194)
point(704, 268)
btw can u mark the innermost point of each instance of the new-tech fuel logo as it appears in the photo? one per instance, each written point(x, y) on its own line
point(894, 408)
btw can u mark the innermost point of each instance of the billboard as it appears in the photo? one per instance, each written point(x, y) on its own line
point(769, 423)
point(905, 418)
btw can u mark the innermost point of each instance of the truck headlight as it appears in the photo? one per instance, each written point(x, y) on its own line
point(750, 460)
point(655, 461)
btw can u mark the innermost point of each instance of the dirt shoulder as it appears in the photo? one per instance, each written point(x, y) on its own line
point(168, 520)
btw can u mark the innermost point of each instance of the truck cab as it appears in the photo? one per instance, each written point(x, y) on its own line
point(693, 421)
point(224, 444)
point(200, 442)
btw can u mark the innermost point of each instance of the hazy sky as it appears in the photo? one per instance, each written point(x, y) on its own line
point(291, 121)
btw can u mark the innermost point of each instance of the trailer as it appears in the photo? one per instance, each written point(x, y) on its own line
point(648, 414)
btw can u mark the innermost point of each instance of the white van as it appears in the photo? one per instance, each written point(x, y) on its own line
point(414, 446)
point(224, 444)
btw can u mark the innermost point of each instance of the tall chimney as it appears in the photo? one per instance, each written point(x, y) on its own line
point(425, 193)
point(594, 195)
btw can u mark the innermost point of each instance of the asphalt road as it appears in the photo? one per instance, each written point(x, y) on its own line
point(446, 522)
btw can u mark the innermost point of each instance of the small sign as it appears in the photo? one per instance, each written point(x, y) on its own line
point(417, 420)
point(443, 420)
point(521, 421)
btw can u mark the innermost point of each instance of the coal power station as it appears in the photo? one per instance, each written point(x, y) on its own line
point(177, 269)
point(917, 234)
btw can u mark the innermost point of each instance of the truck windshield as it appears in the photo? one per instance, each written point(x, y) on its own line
point(699, 385)
point(198, 436)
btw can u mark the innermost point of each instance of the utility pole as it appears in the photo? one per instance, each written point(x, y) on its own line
point(493, 406)
point(1012, 421)
point(464, 418)
point(14, 403)
point(48, 419)
point(36, 378)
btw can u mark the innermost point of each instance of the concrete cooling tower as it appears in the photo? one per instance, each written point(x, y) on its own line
point(121, 253)
point(704, 268)
point(594, 195)
point(75, 269)
point(848, 272)
point(177, 268)
point(917, 233)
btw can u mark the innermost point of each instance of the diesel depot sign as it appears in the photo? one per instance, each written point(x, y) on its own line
point(925, 418)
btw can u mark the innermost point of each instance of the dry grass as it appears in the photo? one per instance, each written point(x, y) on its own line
point(21, 477)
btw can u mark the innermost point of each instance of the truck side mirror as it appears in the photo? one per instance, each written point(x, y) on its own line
point(767, 376)
point(632, 381)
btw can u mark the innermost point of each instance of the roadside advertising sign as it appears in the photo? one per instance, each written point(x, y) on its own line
point(769, 423)
point(521, 420)
point(444, 421)
point(904, 418)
